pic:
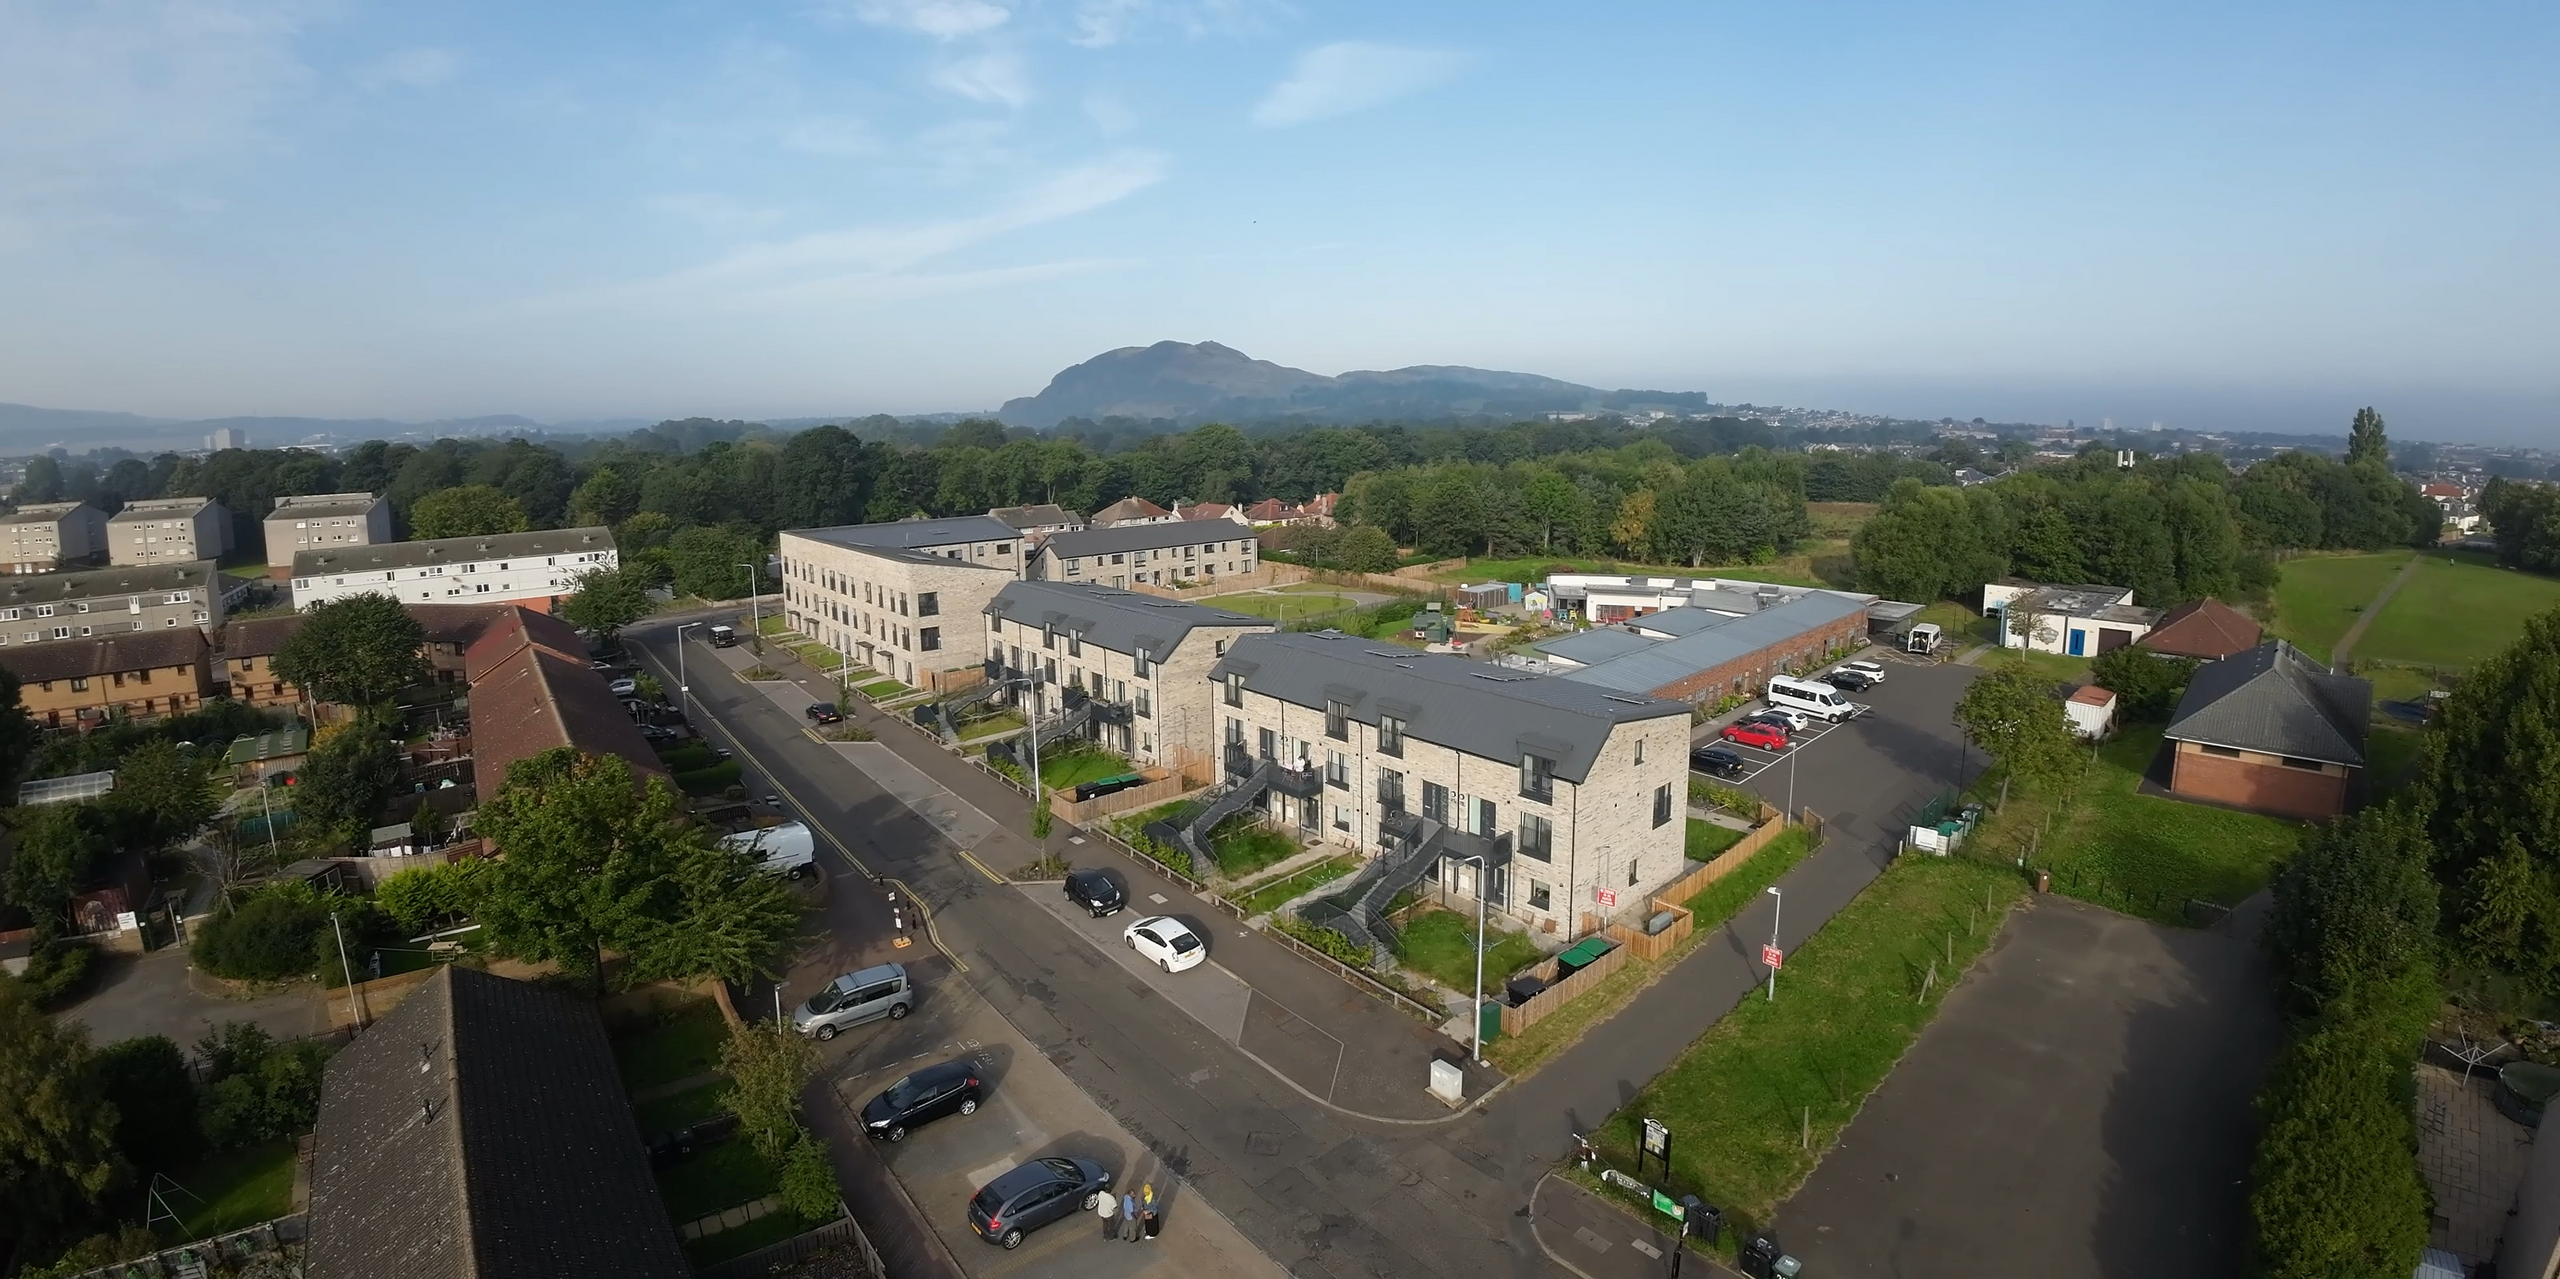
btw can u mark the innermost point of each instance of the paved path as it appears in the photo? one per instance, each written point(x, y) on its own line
point(2347, 643)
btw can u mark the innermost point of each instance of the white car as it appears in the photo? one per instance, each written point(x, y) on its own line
point(1795, 720)
point(1872, 670)
point(623, 687)
point(1166, 942)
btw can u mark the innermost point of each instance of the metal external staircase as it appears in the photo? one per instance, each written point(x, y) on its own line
point(1074, 721)
point(1363, 919)
point(949, 708)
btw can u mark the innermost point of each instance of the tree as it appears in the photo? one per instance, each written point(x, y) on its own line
point(2506, 909)
point(17, 730)
point(2365, 440)
point(2012, 714)
point(1449, 520)
point(359, 650)
point(2354, 911)
point(433, 896)
point(1553, 502)
point(2147, 684)
point(257, 1090)
point(1926, 543)
point(2484, 792)
point(466, 510)
point(713, 562)
point(146, 1081)
point(604, 600)
point(163, 795)
point(2336, 1189)
point(57, 1130)
point(58, 845)
point(608, 497)
point(348, 777)
point(272, 936)
point(767, 1063)
point(590, 865)
point(1364, 549)
point(1632, 527)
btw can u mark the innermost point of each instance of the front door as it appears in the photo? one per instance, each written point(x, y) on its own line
point(2079, 642)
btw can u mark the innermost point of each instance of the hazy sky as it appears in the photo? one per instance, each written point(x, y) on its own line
point(2221, 214)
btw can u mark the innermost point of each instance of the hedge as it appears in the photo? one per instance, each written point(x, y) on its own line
point(705, 781)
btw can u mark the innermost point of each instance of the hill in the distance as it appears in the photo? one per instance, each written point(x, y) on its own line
point(1190, 382)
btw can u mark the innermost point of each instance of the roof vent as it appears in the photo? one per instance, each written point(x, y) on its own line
point(1631, 701)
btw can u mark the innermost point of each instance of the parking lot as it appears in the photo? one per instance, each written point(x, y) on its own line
point(1867, 775)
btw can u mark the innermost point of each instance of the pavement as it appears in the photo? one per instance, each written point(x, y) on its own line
point(161, 994)
point(2474, 1158)
point(2081, 1106)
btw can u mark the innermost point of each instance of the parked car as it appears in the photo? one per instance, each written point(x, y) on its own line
point(612, 666)
point(1874, 671)
point(1166, 942)
point(1850, 681)
point(878, 991)
point(1768, 737)
point(1792, 720)
point(1096, 892)
point(824, 713)
point(920, 1098)
point(624, 687)
point(789, 850)
point(657, 733)
point(1717, 760)
point(1033, 1195)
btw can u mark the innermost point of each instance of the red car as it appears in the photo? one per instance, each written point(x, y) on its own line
point(1768, 737)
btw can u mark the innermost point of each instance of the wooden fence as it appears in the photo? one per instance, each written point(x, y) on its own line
point(1268, 574)
point(1161, 791)
point(838, 1233)
point(1544, 1004)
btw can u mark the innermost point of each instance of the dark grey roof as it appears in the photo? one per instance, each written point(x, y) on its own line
point(1592, 647)
point(1450, 701)
point(1671, 661)
point(159, 508)
point(451, 550)
point(21, 589)
point(2084, 600)
point(1042, 515)
point(1679, 623)
point(41, 513)
point(2274, 700)
point(1143, 537)
point(322, 505)
point(916, 535)
point(1122, 621)
point(481, 1130)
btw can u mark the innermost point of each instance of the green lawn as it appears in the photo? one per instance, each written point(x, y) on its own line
point(683, 1044)
point(1307, 880)
point(1133, 825)
point(1062, 769)
point(2454, 612)
point(2319, 596)
point(1282, 608)
point(772, 1228)
point(2390, 756)
point(1723, 899)
point(1243, 845)
point(237, 1189)
point(992, 725)
point(1706, 839)
point(2053, 666)
point(683, 1110)
point(1849, 1003)
point(723, 1176)
point(883, 690)
point(2397, 683)
point(2141, 854)
point(1441, 945)
point(771, 624)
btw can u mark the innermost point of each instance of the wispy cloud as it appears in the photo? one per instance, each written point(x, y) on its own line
point(419, 68)
point(997, 75)
point(1109, 113)
point(1353, 75)
point(941, 19)
point(1103, 23)
point(718, 214)
point(833, 135)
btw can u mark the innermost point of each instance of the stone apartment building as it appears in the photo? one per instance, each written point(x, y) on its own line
point(51, 536)
point(1148, 554)
point(84, 683)
point(532, 569)
point(46, 608)
point(323, 521)
point(1142, 660)
point(1575, 796)
point(169, 530)
point(905, 599)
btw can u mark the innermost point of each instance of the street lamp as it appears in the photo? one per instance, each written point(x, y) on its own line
point(684, 691)
point(755, 592)
point(1777, 911)
point(1475, 1011)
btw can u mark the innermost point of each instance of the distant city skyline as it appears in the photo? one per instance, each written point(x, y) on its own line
point(2223, 218)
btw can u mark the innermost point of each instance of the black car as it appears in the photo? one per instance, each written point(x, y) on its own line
point(824, 713)
point(1096, 892)
point(1718, 760)
point(1035, 1194)
point(948, 1089)
point(1850, 681)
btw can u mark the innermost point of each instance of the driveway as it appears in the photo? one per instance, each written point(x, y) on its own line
point(2080, 1107)
point(158, 994)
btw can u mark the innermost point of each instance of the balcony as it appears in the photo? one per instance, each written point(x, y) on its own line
point(1239, 761)
point(1495, 849)
point(1304, 783)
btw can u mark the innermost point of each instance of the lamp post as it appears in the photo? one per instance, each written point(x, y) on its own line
point(755, 592)
point(684, 691)
point(1475, 1011)
point(1777, 911)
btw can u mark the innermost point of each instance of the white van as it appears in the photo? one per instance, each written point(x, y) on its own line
point(1821, 701)
point(788, 850)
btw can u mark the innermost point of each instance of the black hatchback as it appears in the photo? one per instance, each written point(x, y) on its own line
point(920, 1098)
point(824, 713)
point(1717, 760)
point(1096, 892)
point(1849, 681)
point(1033, 1195)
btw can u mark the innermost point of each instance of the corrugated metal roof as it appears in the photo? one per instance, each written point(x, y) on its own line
point(1589, 648)
point(1671, 661)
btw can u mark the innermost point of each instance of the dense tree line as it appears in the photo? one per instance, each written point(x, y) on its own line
point(2525, 520)
point(2172, 528)
point(1643, 502)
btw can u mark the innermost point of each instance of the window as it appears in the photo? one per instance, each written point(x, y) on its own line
point(1537, 837)
point(929, 604)
point(1146, 705)
point(1337, 721)
point(80, 685)
point(1075, 644)
point(1139, 666)
point(1267, 743)
point(1639, 750)
point(1537, 778)
point(2224, 751)
point(1391, 790)
point(1435, 802)
point(1662, 805)
point(1235, 689)
point(1075, 565)
point(1540, 898)
point(2308, 765)
point(1235, 736)
point(1632, 865)
point(1341, 817)
point(1048, 639)
point(929, 639)
point(1218, 649)
point(1337, 770)
point(1390, 736)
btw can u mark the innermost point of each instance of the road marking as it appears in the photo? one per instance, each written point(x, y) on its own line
point(1157, 898)
point(992, 877)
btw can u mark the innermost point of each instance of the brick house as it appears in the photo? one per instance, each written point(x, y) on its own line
point(2272, 730)
point(1143, 659)
point(1699, 655)
point(247, 661)
point(905, 599)
point(2206, 629)
point(83, 683)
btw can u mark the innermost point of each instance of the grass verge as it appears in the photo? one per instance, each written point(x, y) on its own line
point(681, 1045)
point(236, 1189)
point(1441, 945)
point(1270, 896)
point(1719, 901)
point(1706, 839)
point(1850, 1001)
point(882, 690)
point(1243, 845)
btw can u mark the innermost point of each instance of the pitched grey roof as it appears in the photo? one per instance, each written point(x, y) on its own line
point(41, 513)
point(1671, 661)
point(481, 1130)
point(322, 505)
point(22, 589)
point(2274, 700)
point(916, 535)
point(452, 550)
point(1040, 515)
point(1143, 537)
point(1679, 623)
point(1450, 701)
point(159, 508)
point(1122, 621)
point(1592, 647)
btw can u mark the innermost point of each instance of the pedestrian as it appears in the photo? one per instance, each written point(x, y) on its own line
point(1107, 1208)
point(1129, 1209)
point(1147, 1211)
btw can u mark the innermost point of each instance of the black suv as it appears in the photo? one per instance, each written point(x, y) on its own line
point(1035, 1194)
point(1717, 760)
point(948, 1089)
point(823, 713)
point(1850, 681)
point(1096, 892)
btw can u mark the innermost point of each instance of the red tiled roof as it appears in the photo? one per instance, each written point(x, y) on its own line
point(1206, 511)
point(1269, 508)
point(2442, 490)
point(259, 636)
point(533, 699)
point(2206, 628)
point(2092, 695)
point(513, 628)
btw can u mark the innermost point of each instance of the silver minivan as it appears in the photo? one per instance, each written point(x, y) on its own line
point(850, 1000)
